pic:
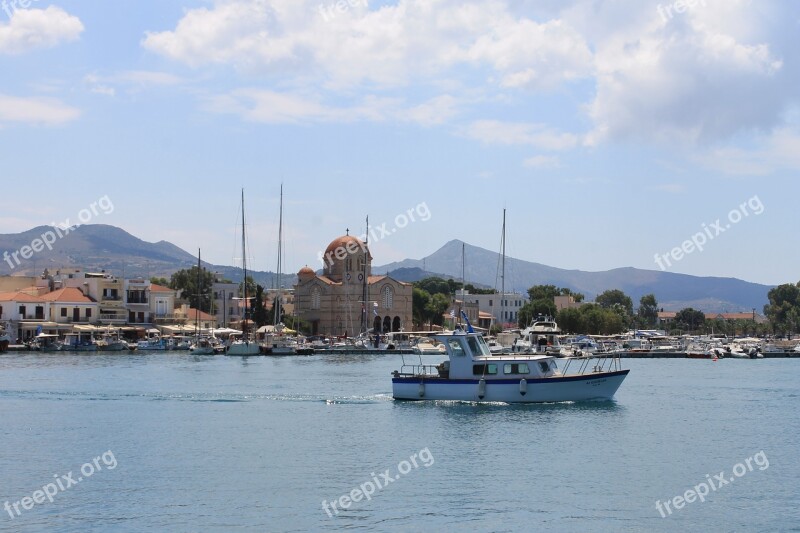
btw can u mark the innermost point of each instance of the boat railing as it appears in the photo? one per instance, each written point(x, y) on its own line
point(595, 363)
point(415, 368)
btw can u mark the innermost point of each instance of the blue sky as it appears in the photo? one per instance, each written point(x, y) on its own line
point(611, 131)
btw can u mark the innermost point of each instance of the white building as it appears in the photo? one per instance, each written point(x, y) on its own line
point(504, 308)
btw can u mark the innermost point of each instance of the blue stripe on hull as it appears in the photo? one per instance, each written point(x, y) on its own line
point(531, 381)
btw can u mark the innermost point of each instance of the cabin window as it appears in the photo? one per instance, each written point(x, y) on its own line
point(473, 345)
point(484, 370)
point(455, 347)
point(516, 368)
point(544, 366)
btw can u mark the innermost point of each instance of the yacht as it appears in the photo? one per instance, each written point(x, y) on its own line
point(541, 337)
point(471, 373)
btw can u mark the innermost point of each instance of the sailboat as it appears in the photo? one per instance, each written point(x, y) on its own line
point(245, 345)
point(281, 345)
point(200, 346)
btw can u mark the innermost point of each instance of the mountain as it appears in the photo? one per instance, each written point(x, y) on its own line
point(673, 291)
point(97, 247)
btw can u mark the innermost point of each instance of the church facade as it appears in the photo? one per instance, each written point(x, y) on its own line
point(346, 298)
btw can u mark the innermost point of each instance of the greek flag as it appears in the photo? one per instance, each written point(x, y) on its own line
point(452, 313)
point(466, 319)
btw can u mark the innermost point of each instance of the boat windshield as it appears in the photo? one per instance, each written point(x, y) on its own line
point(478, 345)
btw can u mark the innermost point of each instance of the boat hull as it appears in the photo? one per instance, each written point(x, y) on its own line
point(595, 386)
point(244, 348)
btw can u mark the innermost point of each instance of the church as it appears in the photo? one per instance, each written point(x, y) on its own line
point(346, 298)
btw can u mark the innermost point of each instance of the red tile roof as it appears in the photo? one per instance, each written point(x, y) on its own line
point(159, 288)
point(192, 313)
point(19, 296)
point(67, 294)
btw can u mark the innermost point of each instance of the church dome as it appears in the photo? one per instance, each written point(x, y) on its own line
point(306, 273)
point(347, 243)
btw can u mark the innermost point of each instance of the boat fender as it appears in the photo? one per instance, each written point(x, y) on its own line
point(523, 386)
point(481, 389)
point(421, 389)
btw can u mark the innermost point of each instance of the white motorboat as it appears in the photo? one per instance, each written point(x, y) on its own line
point(472, 373)
point(154, 342)
point(44, 342)
point(203, 346)
point(77, 342)
point(541, 338)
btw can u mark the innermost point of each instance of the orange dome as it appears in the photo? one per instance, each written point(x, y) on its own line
point(347, 243)
point(306, 273)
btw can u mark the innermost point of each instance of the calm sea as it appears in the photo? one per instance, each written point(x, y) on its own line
point(174, 442)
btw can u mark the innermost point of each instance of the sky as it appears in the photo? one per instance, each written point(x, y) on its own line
point(663, 136)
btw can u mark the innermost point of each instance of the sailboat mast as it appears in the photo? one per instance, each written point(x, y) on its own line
point(277, 302)
point(244, 269)
point(503, 275)
point(365, 286)
point(199, 298)
point(463, 281)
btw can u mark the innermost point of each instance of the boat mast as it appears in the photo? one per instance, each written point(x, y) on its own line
point(463, 281)
point(199, 299)
point(244, 269)
point(277, 302)
point(365, 286)
point(503, 274)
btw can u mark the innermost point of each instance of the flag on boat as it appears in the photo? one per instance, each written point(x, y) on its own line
point(452, 313)
point(466, 319)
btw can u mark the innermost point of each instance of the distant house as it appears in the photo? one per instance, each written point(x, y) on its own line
point(666, 317)
point(70, 305)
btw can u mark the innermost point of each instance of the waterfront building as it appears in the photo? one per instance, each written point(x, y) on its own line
point(500, 308)
point(225, 306)
point(333, 302)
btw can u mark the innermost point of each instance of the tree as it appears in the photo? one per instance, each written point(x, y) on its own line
point(159, 281)
point(783, 310)
point(531, 310)
point(186, 281)
point(436, 308)
point(608, 298)
point(690, 319)
point(571, 320)
point(420, 298)
point(259, 313)
point(251, 287)
point(648, 310)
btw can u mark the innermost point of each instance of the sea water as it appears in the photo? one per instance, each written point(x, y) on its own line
point(175, 442)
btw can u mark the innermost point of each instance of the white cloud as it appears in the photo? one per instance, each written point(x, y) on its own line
point(542, 161)
point(690, 79)
point(778, 151)
point(29, 29)
point(35, 110)
point(391, 45)
point(262, 105)
point(537, 135)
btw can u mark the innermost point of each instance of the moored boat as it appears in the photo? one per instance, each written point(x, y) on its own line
point(472, 373)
